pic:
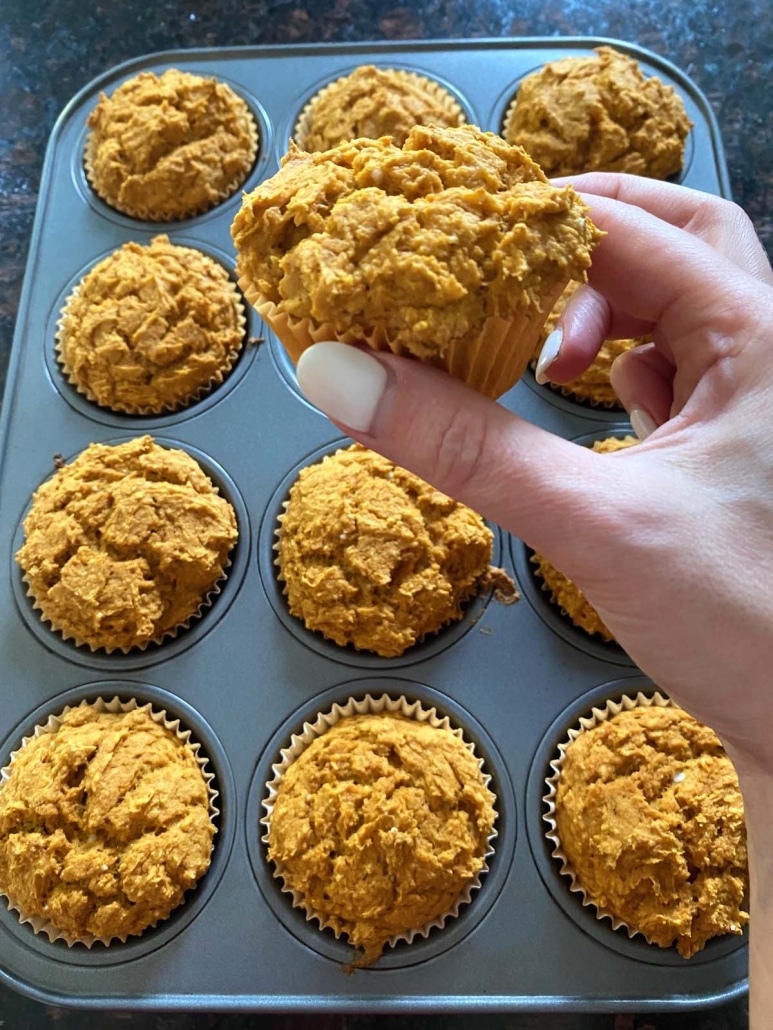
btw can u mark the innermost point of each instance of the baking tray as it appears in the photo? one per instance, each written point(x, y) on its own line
point(246, 675)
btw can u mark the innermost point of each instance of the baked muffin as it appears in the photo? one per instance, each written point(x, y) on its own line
point(151, 328)
point(125, 544)
point(599, 113)
point(372, 102)
point(563, 592)
point(105, 823)
point(593, 385)
point(380, 827)
point(450, 249)
point(165, 147)
point(371, 555)
point(649, 822)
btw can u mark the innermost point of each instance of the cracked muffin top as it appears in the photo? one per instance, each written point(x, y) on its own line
point(372, 102)
point(151, 328)
point(164, 147)
point(125, 544)
point(371, 555)
point(599, 113)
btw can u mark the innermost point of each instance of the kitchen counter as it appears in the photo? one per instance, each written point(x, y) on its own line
point(50, 50)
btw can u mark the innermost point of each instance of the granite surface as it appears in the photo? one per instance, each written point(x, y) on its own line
point(49, 50)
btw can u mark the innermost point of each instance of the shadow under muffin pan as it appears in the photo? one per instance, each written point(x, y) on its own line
point(246, 674)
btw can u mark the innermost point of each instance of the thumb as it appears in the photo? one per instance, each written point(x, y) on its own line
point(540, 487)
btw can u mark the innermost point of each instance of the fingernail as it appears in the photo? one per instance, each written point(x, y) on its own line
point(343, 381)
point(642, 423)
point(548, 355)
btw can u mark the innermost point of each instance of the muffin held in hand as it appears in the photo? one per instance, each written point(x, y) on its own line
point(563, 592)
point(649, 823)
point(451, 249)
point(380, 827)
point(599, 113)
point(594, 384)
point(105, 823)
point(164, 147)
point(372, 102)
point(125, 544)
point(371, 555)
point(151, 328)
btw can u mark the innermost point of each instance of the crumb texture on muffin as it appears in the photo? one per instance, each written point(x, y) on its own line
point(169, 146)
point(650, 817)
point(150, 327)
point(599, 113)
point(424, 242)
point(104, 824)
point(124, 543)
point(380, 824)
point(372, 102)
point(373, 556)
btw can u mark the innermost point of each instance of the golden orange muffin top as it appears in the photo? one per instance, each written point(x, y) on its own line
point(373, 556)
point(372, 102)
point(594, 383)
point(124, 543)
point(566, 594)
point(582, 114)
point(379, 825)
point(104, 824)
point(425, 241)
point(650, 817)
point(150, 327)
point(169, 146)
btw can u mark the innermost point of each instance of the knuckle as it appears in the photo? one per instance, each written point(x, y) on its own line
point(460, 448)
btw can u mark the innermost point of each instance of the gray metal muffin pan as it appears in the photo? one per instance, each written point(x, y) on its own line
point(246, 674)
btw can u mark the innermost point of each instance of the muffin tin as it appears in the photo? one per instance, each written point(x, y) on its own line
point(246, 675)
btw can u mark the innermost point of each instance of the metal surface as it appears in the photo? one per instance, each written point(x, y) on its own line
point(247, 674)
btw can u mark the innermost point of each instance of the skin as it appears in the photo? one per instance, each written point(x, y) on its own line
point(671, 540)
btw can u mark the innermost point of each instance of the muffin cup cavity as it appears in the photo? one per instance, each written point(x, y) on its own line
point(42, 925)
point(310, 731)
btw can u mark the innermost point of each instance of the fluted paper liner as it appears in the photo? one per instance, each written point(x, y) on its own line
point(145, 410)
point(323, 722)
point(38, 923)
point(546, 588)
point(438, 92)
point(491, 361)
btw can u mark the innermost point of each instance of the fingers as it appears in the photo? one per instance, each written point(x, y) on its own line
point(586, 322)
point(643, 379)
point(520, 476)
point(718, 222)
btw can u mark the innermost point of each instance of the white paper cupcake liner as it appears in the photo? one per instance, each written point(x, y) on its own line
point(369, 705)
point(44, 926)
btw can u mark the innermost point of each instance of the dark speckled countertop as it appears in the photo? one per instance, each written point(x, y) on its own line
point(50, 49)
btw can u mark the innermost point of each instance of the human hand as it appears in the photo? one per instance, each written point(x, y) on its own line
point(672, 540)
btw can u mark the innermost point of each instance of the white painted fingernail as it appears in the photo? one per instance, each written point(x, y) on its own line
point(548, 355)
point(343, 381)
point(642, 423)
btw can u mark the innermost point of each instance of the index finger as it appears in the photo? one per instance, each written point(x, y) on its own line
point(718, 222)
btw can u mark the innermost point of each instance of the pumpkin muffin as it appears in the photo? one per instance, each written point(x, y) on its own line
point(593, 385)
point(649, 823)
point(380, 827)
point(371, 555)
point(372, 102)
point(451, 249)
point(599, 113)
point(125, 544)
point(563, 592)
point(170, 146)
point(105, 823)
point(151, 328)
